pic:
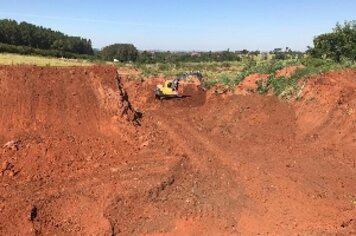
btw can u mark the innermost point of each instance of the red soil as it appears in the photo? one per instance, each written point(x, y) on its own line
point(74, 162)
point(327, 107)
point(126, 72)
point(248, 85)
point(288, 71)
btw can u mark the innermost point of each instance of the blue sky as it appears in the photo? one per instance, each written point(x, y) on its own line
point(187, 24)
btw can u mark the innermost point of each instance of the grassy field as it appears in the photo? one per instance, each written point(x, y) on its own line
point(229, 73)
point(15, 59)
point(211, 70)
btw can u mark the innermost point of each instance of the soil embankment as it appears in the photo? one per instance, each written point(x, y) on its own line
point(75, 160)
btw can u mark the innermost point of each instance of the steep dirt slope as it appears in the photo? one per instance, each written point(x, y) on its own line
point(79, 99)
point(55, 125)
point(327, 107)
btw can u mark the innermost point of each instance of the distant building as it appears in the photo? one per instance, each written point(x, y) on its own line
point(195, 54)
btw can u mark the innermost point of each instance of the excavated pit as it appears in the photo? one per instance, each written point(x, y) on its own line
point(85, 152)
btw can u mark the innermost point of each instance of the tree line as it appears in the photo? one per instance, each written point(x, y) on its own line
point(338, 45)
point(128, 52)
point(25, 38)
point(37, 37)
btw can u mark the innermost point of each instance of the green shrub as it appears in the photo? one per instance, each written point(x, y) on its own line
point(121, 52)
point(24, 50)
point(163, 66)
point(262, 88)
point(210, 83)
point(337, 45)
point(279, 85)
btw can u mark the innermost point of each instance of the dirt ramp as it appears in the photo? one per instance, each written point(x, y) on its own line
point(249, 84)
point(81, 99)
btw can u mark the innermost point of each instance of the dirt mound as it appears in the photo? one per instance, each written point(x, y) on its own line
point(73, 163)
point(193, 96)
point(327, 106)
point(288, 71)
point(125, 72)
point(56, 123)
point(249, 84)
point(76, 99)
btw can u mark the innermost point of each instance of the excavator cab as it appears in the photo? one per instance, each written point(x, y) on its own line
point(169, 89)
point(166, 90)
point(169, 85)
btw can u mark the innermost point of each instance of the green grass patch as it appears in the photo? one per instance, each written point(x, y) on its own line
point(289, 87)
point(210, 70)
point(263, 67)
point(282, 87)
point(16, 59)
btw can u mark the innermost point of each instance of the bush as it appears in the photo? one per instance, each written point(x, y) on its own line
point(210, 83)
point(337, 45)
point(284, 87)
point(279, 85)
point(121, 52)
point(23, 50)
point(163, 67)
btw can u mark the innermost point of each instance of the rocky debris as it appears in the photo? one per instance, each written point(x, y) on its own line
point(8, 168)
point(221, 89)
point(13, 145)
point(154, 193)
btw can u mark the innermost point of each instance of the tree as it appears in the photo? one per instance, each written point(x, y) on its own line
point(278, 54)
point(121, 52)
point(337, 45)
point(37, 37)
point(255, 53)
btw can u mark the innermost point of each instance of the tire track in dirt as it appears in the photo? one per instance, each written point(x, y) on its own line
point(263, 184)
point(218, 165)
point(205, 159)
point(208, 150)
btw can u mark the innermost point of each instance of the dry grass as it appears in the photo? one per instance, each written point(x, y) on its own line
point(15, 59)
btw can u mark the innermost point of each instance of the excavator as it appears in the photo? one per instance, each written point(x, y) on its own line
point(169, 89)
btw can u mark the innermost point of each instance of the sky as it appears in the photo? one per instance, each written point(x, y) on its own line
point(186, 25)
